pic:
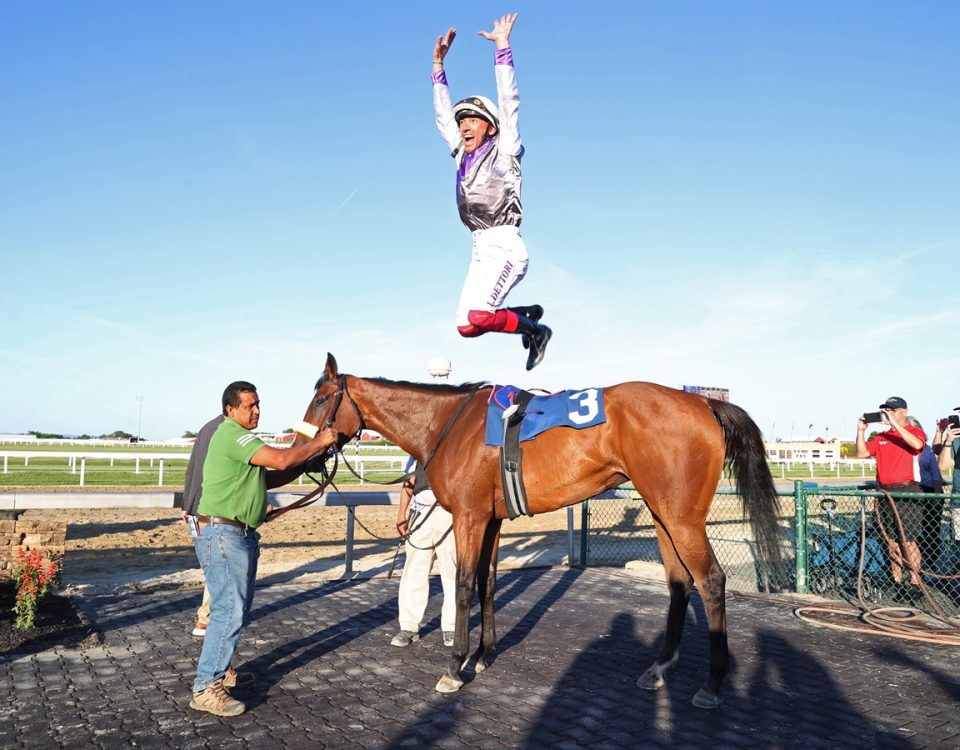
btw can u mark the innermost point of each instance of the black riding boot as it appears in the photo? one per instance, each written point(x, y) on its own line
point(534, 312)
point(537, 335)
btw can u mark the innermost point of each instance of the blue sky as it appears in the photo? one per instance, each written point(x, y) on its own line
point(761, 196)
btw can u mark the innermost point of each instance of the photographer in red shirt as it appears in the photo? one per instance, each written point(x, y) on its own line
point(895, 450)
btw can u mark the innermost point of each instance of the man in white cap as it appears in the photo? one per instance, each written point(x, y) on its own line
point(428, 530)
point(894, 451)
point(484, 138)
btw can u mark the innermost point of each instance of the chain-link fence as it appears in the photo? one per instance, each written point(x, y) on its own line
point(824, 533)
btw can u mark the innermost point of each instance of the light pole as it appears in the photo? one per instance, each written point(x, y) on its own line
point(140, 400)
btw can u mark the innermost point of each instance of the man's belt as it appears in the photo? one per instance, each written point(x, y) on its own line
point(211, 520)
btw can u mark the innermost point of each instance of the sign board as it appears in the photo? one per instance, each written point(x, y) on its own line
point(720, 394)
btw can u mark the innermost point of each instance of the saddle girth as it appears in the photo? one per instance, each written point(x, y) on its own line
point(511, 454)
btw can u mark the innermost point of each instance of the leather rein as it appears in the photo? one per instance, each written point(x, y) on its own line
point(337, 451)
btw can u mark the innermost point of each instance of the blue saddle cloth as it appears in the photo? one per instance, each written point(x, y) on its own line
point(577, 409)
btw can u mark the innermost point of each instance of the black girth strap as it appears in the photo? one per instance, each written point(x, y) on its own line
point(511, 473)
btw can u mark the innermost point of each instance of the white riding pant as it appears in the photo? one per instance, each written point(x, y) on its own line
point(415, 579)
point(497, 263)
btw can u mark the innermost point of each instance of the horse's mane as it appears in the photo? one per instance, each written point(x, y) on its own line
point(430, 387)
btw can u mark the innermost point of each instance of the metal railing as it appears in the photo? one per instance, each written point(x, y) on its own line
point(821, 529)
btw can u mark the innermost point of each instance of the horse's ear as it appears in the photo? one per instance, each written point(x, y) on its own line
point(330, 371)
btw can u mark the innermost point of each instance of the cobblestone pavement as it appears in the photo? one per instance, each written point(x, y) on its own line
point(572, 643)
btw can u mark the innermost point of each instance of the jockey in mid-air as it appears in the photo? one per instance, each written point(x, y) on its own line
point(484, 138)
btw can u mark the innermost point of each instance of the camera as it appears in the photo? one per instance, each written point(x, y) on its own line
point(872, 417)
point(952, 421)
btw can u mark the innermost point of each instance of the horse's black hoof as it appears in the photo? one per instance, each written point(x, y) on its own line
point(705, 699)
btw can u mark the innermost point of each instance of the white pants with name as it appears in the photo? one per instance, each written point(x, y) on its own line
point(498, 262)
point(415, 580)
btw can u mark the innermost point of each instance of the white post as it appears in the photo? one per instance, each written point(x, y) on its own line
point(160, 481)
point(360, 461)
point(137, 469)
point(72, 462)
point(111, 462)
point(83, 469)
point(4, 464)
point(26, 461)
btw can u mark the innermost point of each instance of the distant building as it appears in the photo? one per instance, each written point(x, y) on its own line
point(804, 450)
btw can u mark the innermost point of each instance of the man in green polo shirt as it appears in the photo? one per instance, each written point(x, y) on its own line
point(233, 504)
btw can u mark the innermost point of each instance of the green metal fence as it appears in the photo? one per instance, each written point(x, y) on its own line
point(823, 529)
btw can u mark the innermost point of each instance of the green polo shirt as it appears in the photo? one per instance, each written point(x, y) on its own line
point(232, 487)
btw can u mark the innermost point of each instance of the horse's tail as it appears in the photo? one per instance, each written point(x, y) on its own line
point(747, 457)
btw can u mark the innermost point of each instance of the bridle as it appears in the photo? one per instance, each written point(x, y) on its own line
point(335, 407)
point(337, 450)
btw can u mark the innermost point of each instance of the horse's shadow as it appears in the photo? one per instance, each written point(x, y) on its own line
point(788, 693)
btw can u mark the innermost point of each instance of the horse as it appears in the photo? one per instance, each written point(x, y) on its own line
point(672, 445)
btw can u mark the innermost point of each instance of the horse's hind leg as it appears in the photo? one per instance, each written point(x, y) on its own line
point(680, 583)
point(694, 550)
point(486, 588)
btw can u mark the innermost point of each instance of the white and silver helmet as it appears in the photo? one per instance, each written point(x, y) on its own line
point(477, 106)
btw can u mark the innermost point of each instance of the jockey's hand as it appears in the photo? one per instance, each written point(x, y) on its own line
point(501, 30)
point(403, 528)
point(443, 45)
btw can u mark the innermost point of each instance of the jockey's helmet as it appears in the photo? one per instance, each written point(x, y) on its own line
point(477, 106)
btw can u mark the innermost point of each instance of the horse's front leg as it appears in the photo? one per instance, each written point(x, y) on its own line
point(468, 553)
point(486, 588)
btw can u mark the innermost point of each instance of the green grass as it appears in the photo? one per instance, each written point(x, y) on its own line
point(55, 472)
point(79, 448)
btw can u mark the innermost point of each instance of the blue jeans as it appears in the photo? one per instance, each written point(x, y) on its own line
point(228, 556)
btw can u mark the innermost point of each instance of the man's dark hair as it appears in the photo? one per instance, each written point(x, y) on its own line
point(231, 395)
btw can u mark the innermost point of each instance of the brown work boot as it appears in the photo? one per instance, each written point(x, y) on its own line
point(215, 699)
point(233, 678)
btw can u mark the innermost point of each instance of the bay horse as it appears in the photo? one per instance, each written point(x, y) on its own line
point(672, 445)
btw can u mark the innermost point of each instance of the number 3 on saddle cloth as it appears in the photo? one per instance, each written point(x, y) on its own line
point(514, 415)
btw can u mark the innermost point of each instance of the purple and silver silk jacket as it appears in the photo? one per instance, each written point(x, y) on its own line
point(488, 180)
